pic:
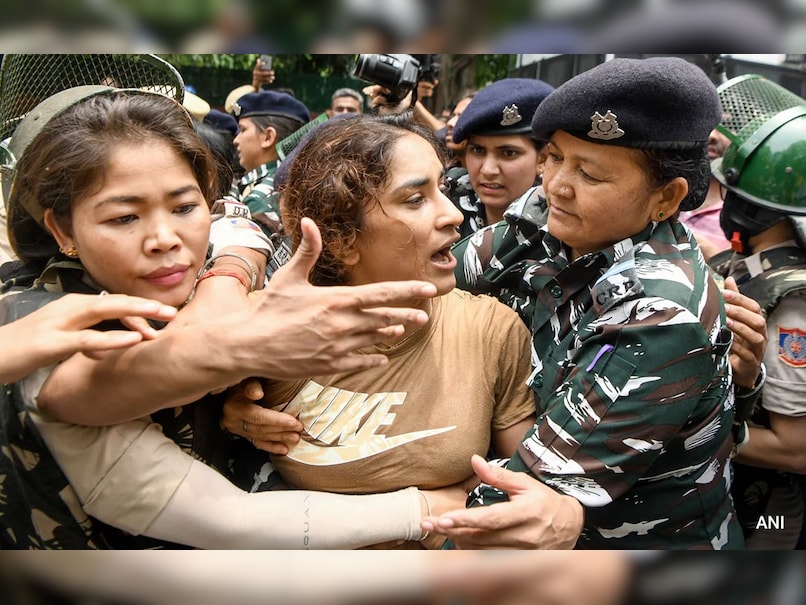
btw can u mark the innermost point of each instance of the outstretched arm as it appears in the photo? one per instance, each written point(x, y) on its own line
point(132, 476)
point(290, 330)
point(207, 511)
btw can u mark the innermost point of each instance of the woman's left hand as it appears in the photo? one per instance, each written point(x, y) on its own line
point(749, 328)
point(268, 430)
point(535, 517)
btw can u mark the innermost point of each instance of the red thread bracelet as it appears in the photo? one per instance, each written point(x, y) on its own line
point(223, 273)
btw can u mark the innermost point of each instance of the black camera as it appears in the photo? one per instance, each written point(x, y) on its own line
point(397, 73)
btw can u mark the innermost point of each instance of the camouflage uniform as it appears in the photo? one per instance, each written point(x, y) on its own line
point(772, 277)
point(256, 190)
point(461, 193)
point(631, 375)
point(38, 507)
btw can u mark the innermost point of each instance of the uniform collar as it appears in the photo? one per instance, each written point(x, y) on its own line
point(66, 275)
point(611, 254)
point(748, 267)
point(258, 173)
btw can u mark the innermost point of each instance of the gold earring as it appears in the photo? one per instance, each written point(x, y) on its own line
point(71, 251)
point(661, 214)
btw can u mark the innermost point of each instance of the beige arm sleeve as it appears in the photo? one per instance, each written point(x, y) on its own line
point(207, 511)
point(133, 477)
point(123, 475)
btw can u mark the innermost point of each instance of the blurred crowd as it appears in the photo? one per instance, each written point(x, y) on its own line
point(398, 26)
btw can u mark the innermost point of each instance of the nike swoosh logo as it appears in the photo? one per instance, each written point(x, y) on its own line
point(343, 425)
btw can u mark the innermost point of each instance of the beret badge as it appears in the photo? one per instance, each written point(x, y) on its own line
point(236, 109)
point(510, 115)
point(605, 127)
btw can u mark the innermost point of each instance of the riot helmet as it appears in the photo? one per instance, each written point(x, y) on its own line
point(28, 79)
point(763, 170)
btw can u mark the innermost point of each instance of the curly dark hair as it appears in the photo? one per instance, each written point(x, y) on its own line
point(337, 176)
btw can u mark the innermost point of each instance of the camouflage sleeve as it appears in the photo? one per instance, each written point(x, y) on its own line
point(264, 205)
point(259, 200)
point(492, 258)
point(511, 368)
point(615, 403)
point(473, 254)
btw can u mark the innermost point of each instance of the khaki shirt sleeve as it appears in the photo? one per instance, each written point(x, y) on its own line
point(124, 475)
point(784, 358)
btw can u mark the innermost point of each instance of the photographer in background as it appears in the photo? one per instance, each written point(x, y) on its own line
point(399, 82)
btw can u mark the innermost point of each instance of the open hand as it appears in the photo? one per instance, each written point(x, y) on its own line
point(297, 330)
point(536, 516)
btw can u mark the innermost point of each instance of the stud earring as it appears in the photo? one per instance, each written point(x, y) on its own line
point(71, 251)
point(661, 214)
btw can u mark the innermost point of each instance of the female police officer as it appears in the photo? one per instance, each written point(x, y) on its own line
point(502, 159)
point(629, 344)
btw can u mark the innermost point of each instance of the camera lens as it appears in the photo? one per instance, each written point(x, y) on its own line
point(380, 69)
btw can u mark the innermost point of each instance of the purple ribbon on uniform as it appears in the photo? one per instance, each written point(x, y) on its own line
point(602, 351)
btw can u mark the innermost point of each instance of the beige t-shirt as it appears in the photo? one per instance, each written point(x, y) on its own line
point(417, 420)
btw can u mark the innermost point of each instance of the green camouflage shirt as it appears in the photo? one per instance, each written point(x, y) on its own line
point(38, 507)
point(256, 190)
point(631, 378)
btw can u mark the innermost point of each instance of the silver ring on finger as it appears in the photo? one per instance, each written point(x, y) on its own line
point(245, 429)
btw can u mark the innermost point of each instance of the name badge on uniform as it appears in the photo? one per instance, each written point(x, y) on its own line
point(236, 209)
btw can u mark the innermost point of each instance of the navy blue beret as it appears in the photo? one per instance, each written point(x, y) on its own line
point(270, 103)
point(654, 103)
point(503, 107)
point(221, 121)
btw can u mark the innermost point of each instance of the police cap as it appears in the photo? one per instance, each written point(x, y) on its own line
point(654, 103)
point(270, 103)
point(195, 105)
point(503, 107)
point(221, 121)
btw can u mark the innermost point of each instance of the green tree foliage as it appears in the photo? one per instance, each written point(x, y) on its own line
point(489, 68)
point(322, 65)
